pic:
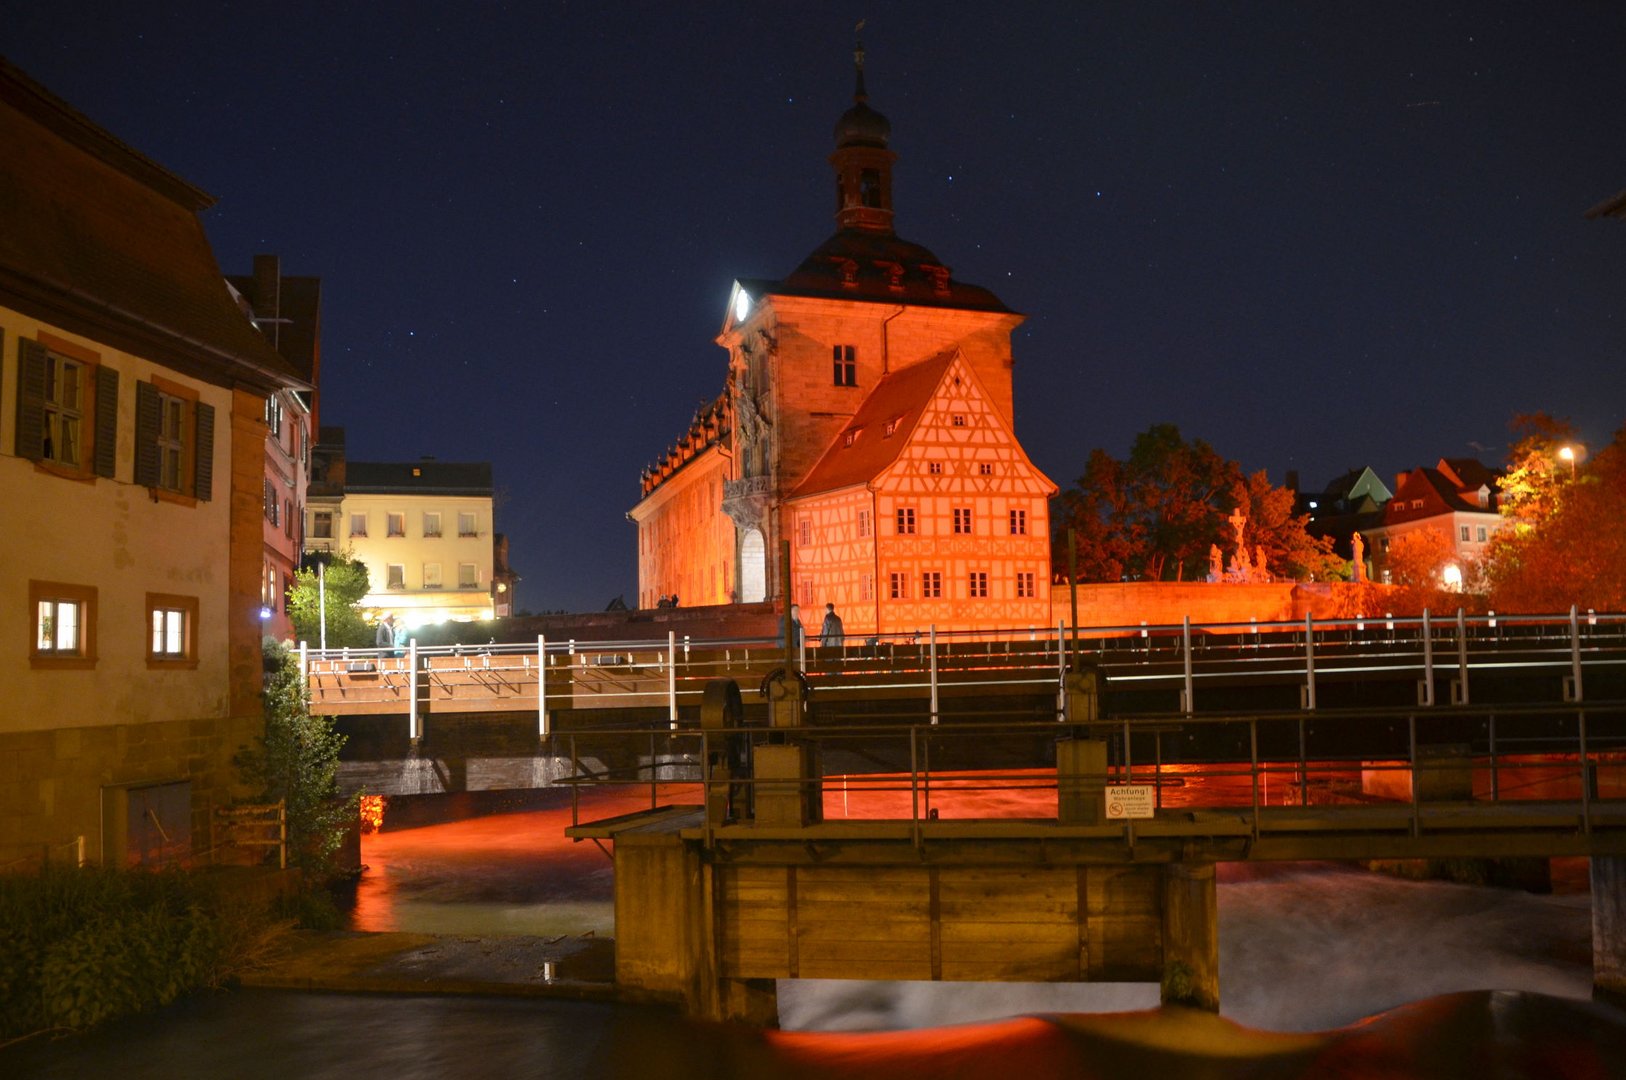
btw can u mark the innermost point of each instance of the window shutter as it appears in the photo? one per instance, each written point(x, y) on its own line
point(31, 364)
point(107, 421)
point(146, 434)
point(204, 451)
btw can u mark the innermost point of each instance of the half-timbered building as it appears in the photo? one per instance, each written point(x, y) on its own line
point(867, 419)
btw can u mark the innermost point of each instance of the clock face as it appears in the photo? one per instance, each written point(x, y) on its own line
point(742, 306)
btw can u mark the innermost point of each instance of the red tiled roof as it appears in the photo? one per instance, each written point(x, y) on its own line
point(901, 396)
point(103, 242)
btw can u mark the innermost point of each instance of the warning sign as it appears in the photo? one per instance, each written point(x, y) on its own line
point(1130, 801)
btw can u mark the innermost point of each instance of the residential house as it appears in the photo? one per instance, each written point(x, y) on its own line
point(1456, 498)
point(132, 449)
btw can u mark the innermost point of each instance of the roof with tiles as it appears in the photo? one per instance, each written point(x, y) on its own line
point(104, 242)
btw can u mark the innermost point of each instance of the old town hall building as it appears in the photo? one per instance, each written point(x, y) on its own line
point(866, 419)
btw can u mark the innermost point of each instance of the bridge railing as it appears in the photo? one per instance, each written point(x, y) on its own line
point(1553, 768)
point(1441, 653)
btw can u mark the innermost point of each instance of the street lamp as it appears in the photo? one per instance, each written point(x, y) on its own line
point(1568, 454)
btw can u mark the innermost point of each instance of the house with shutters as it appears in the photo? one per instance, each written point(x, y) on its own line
point(866, 418)
point(132, 449)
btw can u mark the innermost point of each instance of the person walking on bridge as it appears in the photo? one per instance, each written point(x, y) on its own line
point(832, 632)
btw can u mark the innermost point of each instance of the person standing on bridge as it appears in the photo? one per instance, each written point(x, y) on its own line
point(384, 636)
point(832, 632)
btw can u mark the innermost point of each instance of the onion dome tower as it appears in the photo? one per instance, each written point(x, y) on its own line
point(862, 162)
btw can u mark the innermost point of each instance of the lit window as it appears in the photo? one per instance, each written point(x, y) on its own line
point(906, 520)
point(466, 524)
point(358, 524)
point(979, 584)
point(1019, 522)
point(395, 523)
point(431, 575)
point(846, 367)
point(431, 524)
point(468, 576)
point(322, 524)
point(863, 523)
point(172, 629)
point(63, 633)
point(394, 576)
point(931, 585)
point(962, 519)
point(1024, 584)
point(273, 415)
point(897, 586)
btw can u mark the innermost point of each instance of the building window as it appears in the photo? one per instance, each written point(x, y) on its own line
point(804, 592)
point(1019, 522)
point(985, 468)
point(897, 586)
point(863, 523)
point(804, 531)
point(1024, 584)
point(431, 575)
point(322, 524)
point(174, 441)
point(67, 407)
point(273, 415)
point(962, 519)
point(268, 501)
point(1464, 533)
point(891, 426)
point(468, 576)
point(288, 517)
point(958, 419)
point(431, 525)
point(935, 468)
point(979, 584)
point(906, 520)
point(172, 630)
point(358, 524)
point(1481, 534)
point(466, 524)
point(866, 587)
point(395, 523)
point(931, 585)
point(846, 365)
point(63, 633)
point(394, 576)
point(64, 411)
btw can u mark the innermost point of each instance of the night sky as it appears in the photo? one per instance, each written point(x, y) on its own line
point(1316, 235)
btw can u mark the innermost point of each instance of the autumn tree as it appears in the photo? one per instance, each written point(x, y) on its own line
point(1155, 515)
point(1537, 473)
point(1567, 544)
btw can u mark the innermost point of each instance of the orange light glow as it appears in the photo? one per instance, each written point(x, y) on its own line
point(372, 813)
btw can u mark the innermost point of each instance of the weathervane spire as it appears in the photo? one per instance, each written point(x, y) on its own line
point(858, 61)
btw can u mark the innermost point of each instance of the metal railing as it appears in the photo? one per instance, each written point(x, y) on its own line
point(544, 676)
point(1269, 773)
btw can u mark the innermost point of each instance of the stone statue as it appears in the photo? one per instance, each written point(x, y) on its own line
point(1358, 545)
point(1259, 570)
point(1238, 519)
point(749, 424)
point(1216, 563)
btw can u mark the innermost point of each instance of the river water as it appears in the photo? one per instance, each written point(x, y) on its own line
point(1303, 948)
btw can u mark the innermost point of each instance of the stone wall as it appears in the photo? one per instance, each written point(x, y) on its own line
point(1165, 603)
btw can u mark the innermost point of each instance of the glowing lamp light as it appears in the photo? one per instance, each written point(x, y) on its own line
point(1568, 454)
point(265, 613)
point(1452, 576)
point(742, 306)
point(502, 586)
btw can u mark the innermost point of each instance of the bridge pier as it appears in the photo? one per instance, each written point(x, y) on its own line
point(1190, 936)
point(1608, 874)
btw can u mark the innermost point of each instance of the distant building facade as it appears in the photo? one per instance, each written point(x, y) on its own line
point(132, 450)
point(1456, 498)
point(288, 312)
point(867, 419)
point(423, 529)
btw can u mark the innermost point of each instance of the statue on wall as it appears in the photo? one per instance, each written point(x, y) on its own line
point(750, 427)
point(1216, 564)
point(1260, 572)
point(1358, 563)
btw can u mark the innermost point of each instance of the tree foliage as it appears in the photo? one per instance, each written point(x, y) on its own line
point(1155, 515)
point(1536, 472)
point(297, 761)
point(1568, 541)
point(346, 583)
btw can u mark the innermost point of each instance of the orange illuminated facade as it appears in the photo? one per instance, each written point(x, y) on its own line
point(867, 419)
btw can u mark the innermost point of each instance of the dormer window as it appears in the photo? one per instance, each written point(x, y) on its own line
point(891, 426)
point(851, 437)
point(958, 420)
point(1484, 496)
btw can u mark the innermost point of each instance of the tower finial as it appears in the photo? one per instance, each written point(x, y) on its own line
point(858, 61)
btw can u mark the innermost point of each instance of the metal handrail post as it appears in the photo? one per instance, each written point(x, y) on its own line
point(1428, 659)
point(1063, 707)
point(932, 646)
point(1185, 648)
point(1575, 651)
point(1309, 660)
point(414, 729)
point(542, 727)
point(1462, 655)
point(671, 678)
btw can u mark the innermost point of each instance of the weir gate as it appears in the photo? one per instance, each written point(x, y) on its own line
point(1017, 810)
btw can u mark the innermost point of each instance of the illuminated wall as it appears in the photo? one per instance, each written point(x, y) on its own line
point(685, 541)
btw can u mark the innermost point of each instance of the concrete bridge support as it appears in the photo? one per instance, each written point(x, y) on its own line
point(1190, 936)
point(1609, 928)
